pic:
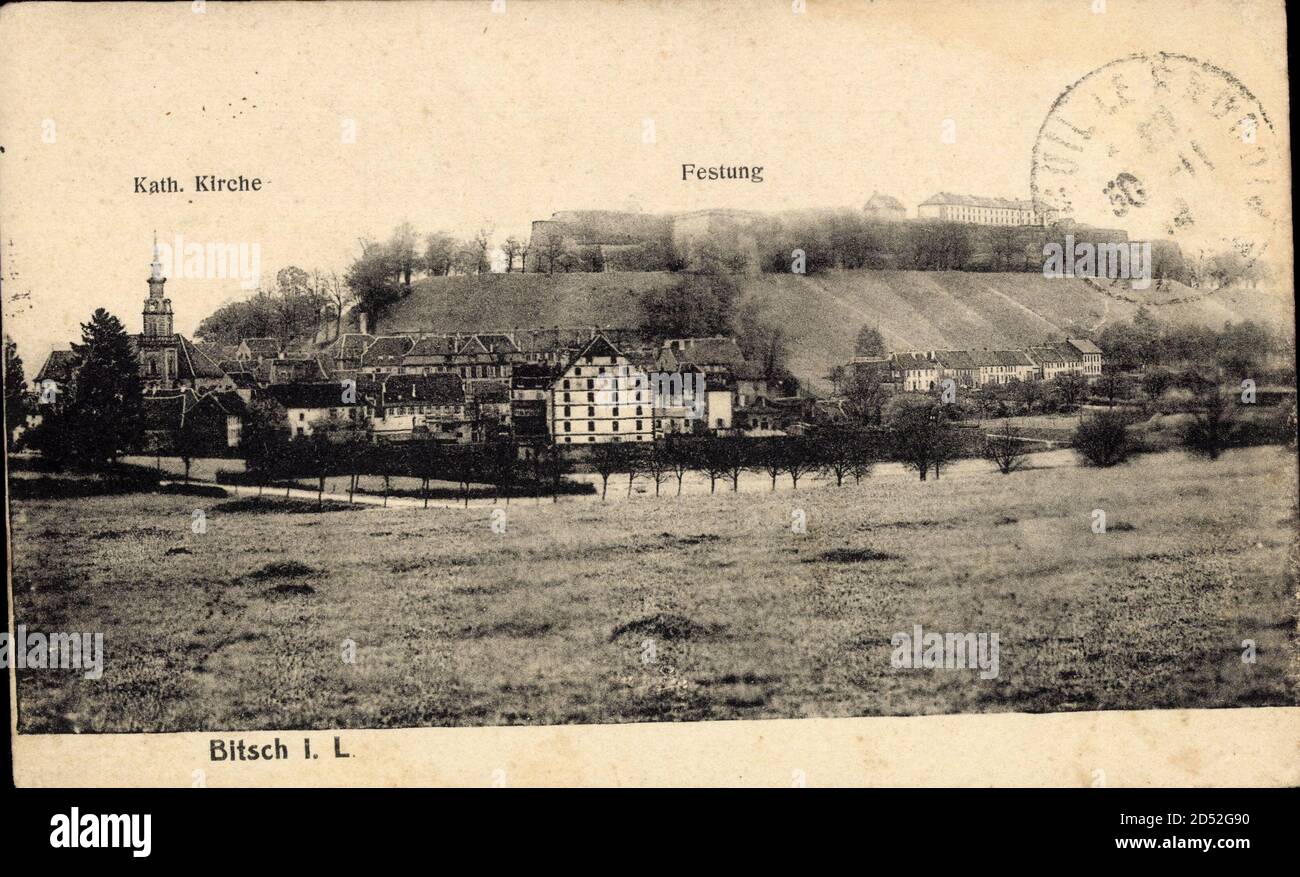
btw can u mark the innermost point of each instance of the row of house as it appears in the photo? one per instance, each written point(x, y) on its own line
point(921, 372)
point(598, 393)
point(567, 386)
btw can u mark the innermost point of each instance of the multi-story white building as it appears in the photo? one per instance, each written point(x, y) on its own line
point(600, 396)
point(983, 211)
point(1091, 355)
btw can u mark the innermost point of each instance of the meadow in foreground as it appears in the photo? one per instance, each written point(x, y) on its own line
point(556, 619)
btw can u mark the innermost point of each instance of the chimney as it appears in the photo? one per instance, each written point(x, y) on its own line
point(363, 324)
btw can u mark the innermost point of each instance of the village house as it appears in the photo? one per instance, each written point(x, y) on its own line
point(885, 207)
point(600, 396)
point(957, 365)
point(1091, 355)
point(384, 355)
point(346, 351)
point(254, 350)
point(489, 409)
point(1049, 362)
point(212, 423)
point(410, 406)
point(487, 358)
point(1003, 366)
point(305, 407)
point(914, 372)
point(52, 382)
point(530, 383)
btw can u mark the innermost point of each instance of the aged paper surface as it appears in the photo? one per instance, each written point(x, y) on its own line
point(827, 213)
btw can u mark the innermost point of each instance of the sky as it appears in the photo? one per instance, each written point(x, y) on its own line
point(466, 118)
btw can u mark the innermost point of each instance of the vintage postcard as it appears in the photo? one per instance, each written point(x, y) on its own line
point(650, 393)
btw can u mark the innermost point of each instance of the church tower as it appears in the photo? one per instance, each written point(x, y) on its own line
point(157, 308)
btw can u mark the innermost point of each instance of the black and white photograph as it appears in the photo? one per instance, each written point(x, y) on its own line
point(583, 366)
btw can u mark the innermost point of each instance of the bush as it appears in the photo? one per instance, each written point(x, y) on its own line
point(1103, 440)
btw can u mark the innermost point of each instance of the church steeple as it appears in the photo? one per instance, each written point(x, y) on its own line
point(157, 308)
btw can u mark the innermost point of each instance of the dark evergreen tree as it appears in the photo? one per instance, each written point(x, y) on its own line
point(16, 398)
point(105, 415)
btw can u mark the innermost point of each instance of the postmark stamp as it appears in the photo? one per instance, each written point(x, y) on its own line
point(1164, 147)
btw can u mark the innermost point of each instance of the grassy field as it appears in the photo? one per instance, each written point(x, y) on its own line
point(243, 627)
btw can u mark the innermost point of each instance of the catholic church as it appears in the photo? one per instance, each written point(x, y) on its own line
point(167, 360)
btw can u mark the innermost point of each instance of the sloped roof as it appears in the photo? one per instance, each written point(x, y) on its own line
point(957, 359)
point(952, 200)
point(165, 412)
point(497, 343)
point(58, 367)
point(315, 395)
point(432, 345)
point(387, 350)
point(436, 389)
point(598, 345)
point(707, 351)
point(217, 352)
point(1068, 353)
point(913, 361)
point(352, 344)
point(262, 347)
point(1045, 354)
point(227, 401)
point(194, 363)
point(1083, 345)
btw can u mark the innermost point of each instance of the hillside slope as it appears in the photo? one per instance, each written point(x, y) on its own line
point(821, 314)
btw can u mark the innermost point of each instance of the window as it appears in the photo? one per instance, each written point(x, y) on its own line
point(616, 412)
point(566, 410)
point(568, 427)
point(638, 426)
point(302, 415)
point(638, 413)
point(566, 383)
point(578, 370)
point(615, 426)
point(591, 426)
point(566, 397)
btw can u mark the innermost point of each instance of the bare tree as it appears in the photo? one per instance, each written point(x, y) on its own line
point(402, 249)
point(339, 296)
point(479, 246)
point(606, 460)
point(439, 253)
point(657, 465)
point(511, 248)
point(801, 457)
point(1007, 449)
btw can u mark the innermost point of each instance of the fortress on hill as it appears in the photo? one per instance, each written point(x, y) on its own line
point(616, 240)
